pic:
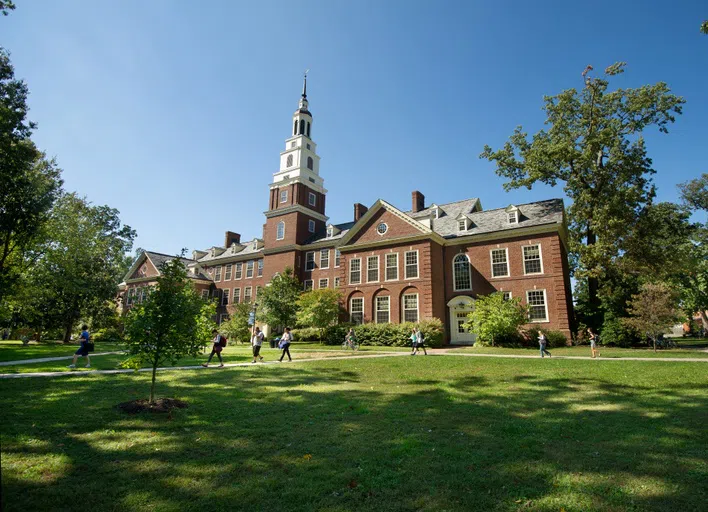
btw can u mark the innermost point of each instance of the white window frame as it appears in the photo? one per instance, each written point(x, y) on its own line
point(228, 271)
point(395, 267)
point(247, 294)
point(515, 219)
point(404, 308)
point(417, 264)
point(336, 282)
point(309, 259)
point(540, 259)
point(545, 306)
point(280, 231)
point(130, 297)
point(283, 196)
point(236, 296)
point(249, 269)
point(225, 295)
point(259, 266)
point(330, 231)
point(351, 264)
point(491, 261)
point(312, 199)
point(351, 309)
point(238, 271)
point(507, 295)
point(454, 273)
point(369, 269)
point(311, 226)
point(337, 258)
point(217, 274)
point(326, 283)
point(205, 294)
point(461, 225)
point(326, 260)
point(387, 311)
point(308, 284)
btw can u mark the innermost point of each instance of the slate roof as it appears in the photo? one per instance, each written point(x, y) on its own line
point(322, 236)
point(158, 259)
point(250, 248)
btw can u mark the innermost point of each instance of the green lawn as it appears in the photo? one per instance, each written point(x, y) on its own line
point(14, 350)
point(584, 350)
point(424, 433)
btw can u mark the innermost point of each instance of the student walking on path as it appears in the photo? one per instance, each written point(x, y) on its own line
point(418, 342)
point(216, 348)
point(542, 341)
point(284, 344)
point(257, 341)
point(85, 347)
point(593, 344)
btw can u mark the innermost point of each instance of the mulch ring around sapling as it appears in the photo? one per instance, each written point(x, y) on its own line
point(160, 405)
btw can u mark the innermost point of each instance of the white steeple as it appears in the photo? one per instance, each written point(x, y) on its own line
point(300, 162)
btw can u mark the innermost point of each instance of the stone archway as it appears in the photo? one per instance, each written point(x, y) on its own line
point(459, 307)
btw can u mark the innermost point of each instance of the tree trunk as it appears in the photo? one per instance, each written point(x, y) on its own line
point(593, 283)
point(152, 385)
point(654, 340)
point(67, 333)
point(704, 319)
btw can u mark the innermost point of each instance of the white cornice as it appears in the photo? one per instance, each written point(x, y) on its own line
point(295, 208)
point(512, 233)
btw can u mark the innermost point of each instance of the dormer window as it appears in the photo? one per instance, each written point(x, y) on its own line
point(330, 231)
point(513, 217)
point(462, 225)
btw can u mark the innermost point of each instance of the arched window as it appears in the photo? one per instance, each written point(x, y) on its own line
point(302, 127)
point(281, 231)
point(461, 273)
point(310, 162)
point(295, 127)
point(289, 161)
point(308, 128)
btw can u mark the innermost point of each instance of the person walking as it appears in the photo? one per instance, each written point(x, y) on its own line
point(284, 344)
point(593, 344)
point(414, 342)
point(419, 341)
point(216, 348)
point(542, 341)
point(350, 340)
point(257, 341)
point(84, 348)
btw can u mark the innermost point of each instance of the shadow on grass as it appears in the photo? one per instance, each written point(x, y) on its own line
point(321, 437)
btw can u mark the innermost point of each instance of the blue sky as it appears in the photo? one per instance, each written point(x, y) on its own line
point(175, 112)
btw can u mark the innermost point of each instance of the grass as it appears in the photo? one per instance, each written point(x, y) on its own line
point(14, 350)
point(393, 434)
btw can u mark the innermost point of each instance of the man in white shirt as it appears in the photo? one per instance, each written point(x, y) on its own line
point(257, 341)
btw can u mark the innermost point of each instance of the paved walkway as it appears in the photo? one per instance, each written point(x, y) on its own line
point(50, 359)
point(451, 352)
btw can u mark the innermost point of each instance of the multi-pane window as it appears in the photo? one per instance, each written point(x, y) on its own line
point(324, 283)
point(247, 294)
point(284, 196)
point(237, 296)
point(356, 310)
point(536, 300)
point(461, 273)
point(337, 257)
point(309, 261)
point(249, 268)
point(307, 285)
point(513, 217)
point(532, 259)
point(129, 297)
point(330, 231)
point(238, 271)
point(324, 258)
point(217, 275)
point(500, 264)
point(311, 226)
point(411, 264)
point(355, 271)
point(462, 225)
point(260, 268)
point(410, 307)
point(336, 282)
point(383, 310)
point(506, 295)
point(372, 269)
point(280, 232)
point(392, 266)
point(205, 294)
point(225, 297)
point(227, 273)
point(312, 199)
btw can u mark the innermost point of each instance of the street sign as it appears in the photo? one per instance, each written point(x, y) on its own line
point(252, 318)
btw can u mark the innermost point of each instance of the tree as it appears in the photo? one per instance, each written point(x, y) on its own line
point(653, 310)
point(494, 318)
point(695, 193)
point(594, 147)
point(83, 259)
point(319, 309)
point(30, 182)
point(173, 322)
point(704, 27)
point(6, 6)
point(278, 301)
point(236, 328)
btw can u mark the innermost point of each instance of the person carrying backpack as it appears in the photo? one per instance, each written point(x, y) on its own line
point(257, 341)
point(542, 341)
point(85, 348)
point(219, 342)
point(284, 344)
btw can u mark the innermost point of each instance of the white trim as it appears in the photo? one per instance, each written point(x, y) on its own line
point(491, 261)
point(403, 306)
point(296, 208)
point(337, 258)
point(540, 259)
point(305, 285)
point(311, 226)
point(225, 294)
point(307, 254)
point(351, 261)
point(386, 266)
point(259, 267)
point(363, 308)
point(217, 274)
point(205, 293)
point(326, 281)
point(511, 296)
point(249, 268)
point(285, 196)
point(377, 310)
point(545, 305)
point(238, 270)
point(321, 265)
point(278, 235)
point(228, 271)
point(515, 213)
point(454, 275)
point(336, 282)
point(405, 265)
point(249, 294)
point(458, 225)
point(385, 228)
point(312, 199)
point(234, 294)
point(378, 276)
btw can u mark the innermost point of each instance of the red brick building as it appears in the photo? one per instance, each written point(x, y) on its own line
point(390, 265)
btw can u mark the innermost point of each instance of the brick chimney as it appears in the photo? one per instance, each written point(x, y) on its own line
point(418, 201)
point(231, 238)
point(359, 211)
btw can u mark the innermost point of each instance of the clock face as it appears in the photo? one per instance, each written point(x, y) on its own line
point(382, 228)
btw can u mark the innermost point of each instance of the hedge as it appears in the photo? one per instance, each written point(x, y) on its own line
point(388, 335)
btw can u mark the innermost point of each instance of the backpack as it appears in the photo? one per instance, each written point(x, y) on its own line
point(222, 340)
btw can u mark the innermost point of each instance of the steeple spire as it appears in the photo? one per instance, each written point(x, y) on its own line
point(304, 85)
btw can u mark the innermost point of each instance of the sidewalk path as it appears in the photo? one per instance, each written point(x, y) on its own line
point(50, 359)
point(451, 352)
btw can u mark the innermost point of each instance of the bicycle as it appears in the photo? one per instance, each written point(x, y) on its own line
point(350, 344)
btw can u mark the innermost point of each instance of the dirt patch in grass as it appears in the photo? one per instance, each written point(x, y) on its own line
point(160, 405)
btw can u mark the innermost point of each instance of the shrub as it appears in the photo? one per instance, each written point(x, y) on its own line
point(108, 335)
point(387, 335)
point(305, 334)
point(554, 338)
point(615, 332)
point(495, 318)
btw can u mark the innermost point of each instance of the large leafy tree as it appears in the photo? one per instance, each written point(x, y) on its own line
point(319, 309)
point(173, 322)
point(695, 193)
point(83, 259)
point(6, 6)
point(236, 328)
point(277, 302)
point(653, 310)
point(594, 147)
point(494, 318)
point(30, 183)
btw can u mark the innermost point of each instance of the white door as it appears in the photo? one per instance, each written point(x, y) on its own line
point(459, 308)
